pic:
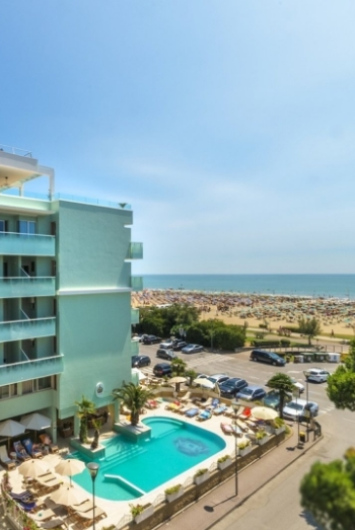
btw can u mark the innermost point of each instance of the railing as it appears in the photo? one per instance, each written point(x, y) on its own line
point(135, 251)
point(134, 347)
point(27, 329)
point(137, 283)
point(15, 150)
point(15, 243)
point(31, 369)
point(26, 286)
point(134, 315)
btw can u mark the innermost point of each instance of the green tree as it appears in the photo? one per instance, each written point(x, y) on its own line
point(191, 375)
point(134, 398)
point(328, 492)
point(341, 384)
point(310, 327)
point(282, 383)
point(86, 408)
point(178, 366)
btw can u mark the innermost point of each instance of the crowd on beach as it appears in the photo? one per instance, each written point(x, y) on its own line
point(336, 315)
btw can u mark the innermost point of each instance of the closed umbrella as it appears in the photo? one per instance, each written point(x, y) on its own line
point(32, 468)
point(36, 422)
point(70, 467)
point(264, 413)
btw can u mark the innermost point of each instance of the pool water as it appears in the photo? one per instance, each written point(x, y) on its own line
point(131, 468)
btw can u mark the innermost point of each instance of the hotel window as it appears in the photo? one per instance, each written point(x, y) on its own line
point(27, 227)
point(4, 391)
point(27, 387)
point(2, 226)
point(44, 382)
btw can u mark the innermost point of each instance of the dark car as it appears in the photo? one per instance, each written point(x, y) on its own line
point(151, 339)
point(251, 393)
point(229, 388)
point(179, 345)
point(162, 353)
point(268, 357)
point(162, 369)
point(192, 348)
point(140, 360)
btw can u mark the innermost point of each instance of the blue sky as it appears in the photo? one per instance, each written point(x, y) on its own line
point(229, 126)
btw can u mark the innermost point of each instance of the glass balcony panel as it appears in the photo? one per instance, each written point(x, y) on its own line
point(134, 316)
point(34, 369)
point(135, 251)
point(134, 347)
point(26, 244)
point(27, 329)
point(137, 283)
point(26, 287)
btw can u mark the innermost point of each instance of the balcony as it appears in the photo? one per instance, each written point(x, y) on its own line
point(24, 287)
point(134, 347)
point(27, 329)
point(134, 316)
point(135, 251)
point(34, 369)
point(16, 244)
point(136, 283)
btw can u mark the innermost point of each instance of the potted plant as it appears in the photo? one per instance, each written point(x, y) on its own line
point(174, 492)
point(224, 462)
point(141, 512)
point(279, 425)
point(261, 436)
point(244, 448)
point(201, 475)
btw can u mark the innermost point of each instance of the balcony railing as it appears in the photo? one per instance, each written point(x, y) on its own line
point(24, 287)
point(33, 369)
point(13, 243)
point(137, 283)
point(135, 251)
point(134, 316)
point(134, 347)
point(27, 329)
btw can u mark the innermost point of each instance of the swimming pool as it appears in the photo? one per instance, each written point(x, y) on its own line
point(131, 468)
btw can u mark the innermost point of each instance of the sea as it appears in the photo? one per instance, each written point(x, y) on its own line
point(311, 285)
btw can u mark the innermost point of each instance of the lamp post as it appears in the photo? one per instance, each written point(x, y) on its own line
point(93, 470)
point(236, 406)
point(307, 399)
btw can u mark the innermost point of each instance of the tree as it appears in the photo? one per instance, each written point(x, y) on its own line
point(310, 327)
point(178, 366)
point(191, 375)
point(328, 492)
point(283, 383)
point(86, 408)
point(341, 384)
point(134, 398)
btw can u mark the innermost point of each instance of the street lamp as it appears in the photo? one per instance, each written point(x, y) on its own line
point(93, 470)
point(307, 399)
point(236, 406)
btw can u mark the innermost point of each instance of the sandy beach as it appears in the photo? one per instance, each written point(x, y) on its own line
point(337, 316)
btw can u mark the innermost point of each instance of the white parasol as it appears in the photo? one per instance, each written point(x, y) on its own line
point(264, 413)
point(70, 467)
point(36, 422)
point(32, 468)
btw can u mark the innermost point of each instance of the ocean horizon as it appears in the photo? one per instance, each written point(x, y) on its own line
point(313, 285)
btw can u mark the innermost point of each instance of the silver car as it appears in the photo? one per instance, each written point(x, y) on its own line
point(317, 375)
point(300, 409)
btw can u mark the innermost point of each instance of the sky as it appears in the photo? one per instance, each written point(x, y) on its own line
point(229, 126)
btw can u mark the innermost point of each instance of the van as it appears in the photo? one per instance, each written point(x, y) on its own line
point(267, 357)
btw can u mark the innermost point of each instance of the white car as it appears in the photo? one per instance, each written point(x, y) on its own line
point(297, 385)
point(317, 375)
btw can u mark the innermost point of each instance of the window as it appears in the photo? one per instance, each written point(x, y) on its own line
point(27, 227)
point(8, 391)
point(27, 387)
point(44, 382)
point(2, 226)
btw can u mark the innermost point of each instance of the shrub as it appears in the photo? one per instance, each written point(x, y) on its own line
point(200, 472)
point(173, 489)
point(223, 459)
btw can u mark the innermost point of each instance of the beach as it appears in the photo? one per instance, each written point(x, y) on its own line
point(336, 315)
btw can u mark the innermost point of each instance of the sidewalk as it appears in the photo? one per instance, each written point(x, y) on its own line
point(211, 508)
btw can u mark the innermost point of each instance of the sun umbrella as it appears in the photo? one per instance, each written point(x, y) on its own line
point(32, 468)
point(203, 381)
point(177, 380)
point(65, 495)
point(70, 467)
point(11, 428)
point(264, 413)
point(36, 422)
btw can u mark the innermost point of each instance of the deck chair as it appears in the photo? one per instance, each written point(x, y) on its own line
point(245, 414)
point(204, 415)
point(30, 448)
point(46, 440)
point(5, 461)
point(21, 452)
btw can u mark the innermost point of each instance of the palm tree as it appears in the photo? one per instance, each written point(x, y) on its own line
point(86, 408)
point(283, 383)
point(178, 366)
point(134, 398)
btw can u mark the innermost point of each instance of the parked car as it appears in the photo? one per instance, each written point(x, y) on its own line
point(179, 345)
point(192, 348)
point(298, 385)
point(300, 408)
point(267, 357)
point(218, 378)
point(272, 399)
point(162, 353)
point(167, 344)
point(162, 369)
point(151, 339)
point(317, 375)
point(140, 360)
point(232, 386)
point(251, 393)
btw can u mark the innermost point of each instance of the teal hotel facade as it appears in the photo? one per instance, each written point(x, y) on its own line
point(65, 298)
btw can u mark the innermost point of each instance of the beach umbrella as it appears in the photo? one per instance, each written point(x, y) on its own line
point(177, 380)
point(203, 381)
point(32, 468)
point(65, 495)
point(70, 467)
point(11, 428)
point(137, 376)
point(264, 413)
point(36, 422)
